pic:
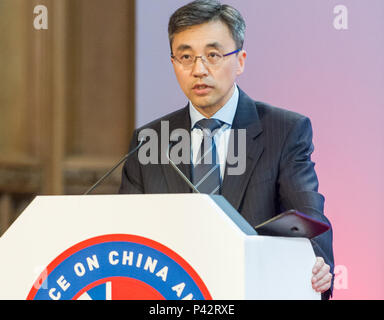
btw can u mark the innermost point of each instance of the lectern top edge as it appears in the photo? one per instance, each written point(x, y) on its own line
point(221, 202)
point(237, 218)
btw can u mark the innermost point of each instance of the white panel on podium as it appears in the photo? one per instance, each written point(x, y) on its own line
point(206, 237)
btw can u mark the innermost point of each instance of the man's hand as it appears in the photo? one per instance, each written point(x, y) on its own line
point(322, 278)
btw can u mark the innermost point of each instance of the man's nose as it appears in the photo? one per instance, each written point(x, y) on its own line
point(199, 68)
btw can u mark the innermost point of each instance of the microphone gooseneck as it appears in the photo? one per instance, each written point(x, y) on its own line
point(106, 175)
point(179, 172)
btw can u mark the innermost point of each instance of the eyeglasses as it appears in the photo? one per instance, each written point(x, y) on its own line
point(211, 59)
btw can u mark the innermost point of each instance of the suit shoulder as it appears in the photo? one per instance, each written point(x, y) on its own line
point(270, 113)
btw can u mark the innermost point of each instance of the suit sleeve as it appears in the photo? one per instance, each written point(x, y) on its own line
point(131, 177)
point(298, 186)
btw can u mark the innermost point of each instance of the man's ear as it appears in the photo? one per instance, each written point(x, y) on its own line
point(242, 55)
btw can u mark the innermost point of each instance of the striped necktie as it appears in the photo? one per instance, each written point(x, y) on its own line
point(206, 171)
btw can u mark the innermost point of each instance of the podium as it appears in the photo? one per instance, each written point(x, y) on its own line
point(158, 246)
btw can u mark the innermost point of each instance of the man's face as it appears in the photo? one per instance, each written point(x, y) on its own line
point(208, 87)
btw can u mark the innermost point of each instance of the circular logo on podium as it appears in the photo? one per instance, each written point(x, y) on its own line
point(119, 267)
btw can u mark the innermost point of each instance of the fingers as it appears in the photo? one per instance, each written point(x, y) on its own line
point(322, 278)
point(318, 265)
point(324, 284)
point(321, 273)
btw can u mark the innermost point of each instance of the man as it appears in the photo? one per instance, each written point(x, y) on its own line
point(206, 40)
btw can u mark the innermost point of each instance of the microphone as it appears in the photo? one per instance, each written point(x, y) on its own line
point(106, 175)
point(179, 172)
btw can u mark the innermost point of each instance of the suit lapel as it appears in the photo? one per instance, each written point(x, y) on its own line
point(175, 183)
point(247, 118)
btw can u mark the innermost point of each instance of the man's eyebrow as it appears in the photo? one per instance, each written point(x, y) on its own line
point(183, 47)
point(214, 45)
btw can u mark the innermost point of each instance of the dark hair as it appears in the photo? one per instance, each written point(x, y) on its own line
point(201, 11)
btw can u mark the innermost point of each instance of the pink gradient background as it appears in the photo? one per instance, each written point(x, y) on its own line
point(299, 61)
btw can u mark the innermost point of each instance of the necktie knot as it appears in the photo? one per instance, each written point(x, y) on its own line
point(208, 125)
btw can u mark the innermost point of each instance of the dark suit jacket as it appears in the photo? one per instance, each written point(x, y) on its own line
point(279, 172)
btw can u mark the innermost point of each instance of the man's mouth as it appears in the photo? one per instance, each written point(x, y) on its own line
point(201, 89)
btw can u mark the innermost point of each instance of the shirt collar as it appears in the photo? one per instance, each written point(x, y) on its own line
point(224, 114)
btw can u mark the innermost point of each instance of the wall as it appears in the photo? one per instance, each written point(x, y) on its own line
point(66, 98)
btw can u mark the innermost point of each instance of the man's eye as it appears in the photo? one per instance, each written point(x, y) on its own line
point(213, 55)
point(186, 57)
